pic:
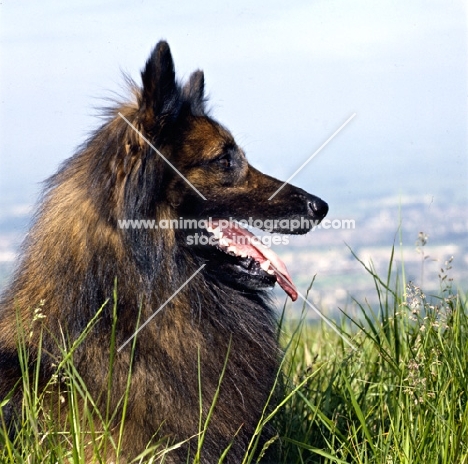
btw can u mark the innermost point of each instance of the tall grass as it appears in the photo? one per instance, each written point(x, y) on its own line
point(399, 397)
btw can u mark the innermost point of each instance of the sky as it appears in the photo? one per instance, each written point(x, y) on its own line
point(282, 76)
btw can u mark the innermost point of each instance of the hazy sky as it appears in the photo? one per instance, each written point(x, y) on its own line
point(283, 76)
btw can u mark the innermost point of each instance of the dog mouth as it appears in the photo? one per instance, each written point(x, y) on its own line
point(251, 254)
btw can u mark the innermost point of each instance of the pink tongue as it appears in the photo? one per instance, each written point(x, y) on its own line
point(250, 245)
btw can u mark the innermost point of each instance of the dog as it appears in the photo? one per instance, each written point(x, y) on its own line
point(189, 311)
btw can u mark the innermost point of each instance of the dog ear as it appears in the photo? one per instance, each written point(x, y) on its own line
point(194, 93)
point(160, 94)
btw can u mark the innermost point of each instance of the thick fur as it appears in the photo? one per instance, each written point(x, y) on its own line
point(75, 254)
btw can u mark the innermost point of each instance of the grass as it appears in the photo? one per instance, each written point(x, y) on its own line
point(399, 396)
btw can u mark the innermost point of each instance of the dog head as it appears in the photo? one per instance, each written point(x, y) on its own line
point(179, 156)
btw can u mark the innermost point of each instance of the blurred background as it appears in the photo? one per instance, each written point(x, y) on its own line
point(282, 76)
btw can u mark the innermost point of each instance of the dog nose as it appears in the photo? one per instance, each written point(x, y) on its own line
point(317, 208)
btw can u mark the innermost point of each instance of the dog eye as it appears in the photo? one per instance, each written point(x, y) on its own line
point(224, 161)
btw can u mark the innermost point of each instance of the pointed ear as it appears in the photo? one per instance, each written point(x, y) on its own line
point(160, 92)
point(194, 93)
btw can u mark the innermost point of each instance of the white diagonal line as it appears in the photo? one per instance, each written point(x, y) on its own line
point(318, 312)
point(316, 153)
point(161, 307)
point(326, 320)
point(160, 154)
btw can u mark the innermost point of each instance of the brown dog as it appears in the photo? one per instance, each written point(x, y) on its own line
point(160, 158)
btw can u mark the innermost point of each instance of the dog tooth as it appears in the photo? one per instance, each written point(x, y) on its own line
point(217, 232)
point(265, 265)
point(271, 271)
point(224, 241)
